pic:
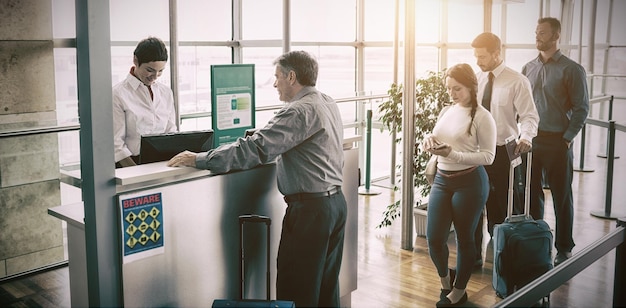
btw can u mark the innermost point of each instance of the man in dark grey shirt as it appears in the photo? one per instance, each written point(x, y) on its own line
point(560, 94)
point(305, 138)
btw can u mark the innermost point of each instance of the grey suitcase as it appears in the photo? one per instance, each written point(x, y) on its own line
point(241, 302)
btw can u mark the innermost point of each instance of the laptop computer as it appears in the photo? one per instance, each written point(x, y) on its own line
point(162, 147)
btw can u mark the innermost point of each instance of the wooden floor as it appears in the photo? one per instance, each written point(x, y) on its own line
point(389, 276)
point(392, 277)
point(46, 289)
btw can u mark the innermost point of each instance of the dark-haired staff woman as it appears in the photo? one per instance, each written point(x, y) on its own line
point(465, 140)
point(141, 105)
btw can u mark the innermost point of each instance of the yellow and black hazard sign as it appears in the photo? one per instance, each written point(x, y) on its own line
point(142, 220)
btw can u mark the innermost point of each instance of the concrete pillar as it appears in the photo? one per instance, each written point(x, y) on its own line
point(29, 165)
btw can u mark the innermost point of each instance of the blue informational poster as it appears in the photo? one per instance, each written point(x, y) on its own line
point(232, 101)
point(142, 226)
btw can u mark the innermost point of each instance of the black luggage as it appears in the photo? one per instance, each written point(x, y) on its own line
point(241, 302)
point(522, 246)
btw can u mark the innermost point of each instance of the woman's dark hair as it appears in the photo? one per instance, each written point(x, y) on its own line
point(149, 50)
point(302, 63)
point(464, 74)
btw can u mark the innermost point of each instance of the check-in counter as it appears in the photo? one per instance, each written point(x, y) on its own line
point(195, 222)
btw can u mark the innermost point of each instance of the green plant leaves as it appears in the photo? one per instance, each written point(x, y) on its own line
point(430, 97)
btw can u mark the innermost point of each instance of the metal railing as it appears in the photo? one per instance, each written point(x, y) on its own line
point(530, 294)
point(276, 107)
point(551, 280)
point(612, 127)
point(38, 130)
point(359, 123)
point(583, 131)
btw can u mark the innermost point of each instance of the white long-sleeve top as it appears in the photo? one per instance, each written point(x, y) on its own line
point(511, 97)
point(479, 148)
point(136, 114)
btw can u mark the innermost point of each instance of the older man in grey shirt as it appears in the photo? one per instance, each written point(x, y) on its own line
point(305, 138)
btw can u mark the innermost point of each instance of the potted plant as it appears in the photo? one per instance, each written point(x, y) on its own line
point(430, 97)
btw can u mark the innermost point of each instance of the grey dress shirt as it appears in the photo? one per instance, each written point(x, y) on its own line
point(560, 94)
point(305, 138)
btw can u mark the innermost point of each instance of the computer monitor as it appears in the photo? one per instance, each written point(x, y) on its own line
point(162, 147)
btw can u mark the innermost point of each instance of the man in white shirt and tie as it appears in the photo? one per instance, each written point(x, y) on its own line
point(513, 109)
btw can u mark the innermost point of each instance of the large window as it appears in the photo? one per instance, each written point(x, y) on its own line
point(378, 77)
point(194, 76)
point(521, 21)
point(263, 57)
point(205, 21)
point(460, 27)
point(134, 20)
point(263, 20)
point(323, 21)
point(352, 39)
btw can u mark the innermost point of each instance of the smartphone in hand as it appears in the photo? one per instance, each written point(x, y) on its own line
point(439, 146)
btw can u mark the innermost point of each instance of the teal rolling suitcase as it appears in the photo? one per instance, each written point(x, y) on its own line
point(522, 246)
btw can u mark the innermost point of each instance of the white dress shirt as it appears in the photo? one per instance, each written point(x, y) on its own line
point(136, 114)
point(511, 97)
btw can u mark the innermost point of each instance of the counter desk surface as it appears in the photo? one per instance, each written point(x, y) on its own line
point(198, 259)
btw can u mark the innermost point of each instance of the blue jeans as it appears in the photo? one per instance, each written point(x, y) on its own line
point(459, 200)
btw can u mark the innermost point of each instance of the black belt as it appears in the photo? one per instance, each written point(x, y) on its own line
point(309, 196)
point(543, 133)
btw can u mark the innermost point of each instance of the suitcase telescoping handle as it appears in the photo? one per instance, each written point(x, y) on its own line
point(254, 219)
point(526, 213)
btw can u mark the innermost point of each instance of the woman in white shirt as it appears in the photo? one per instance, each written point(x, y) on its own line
point(142, 106)
point(464, 138)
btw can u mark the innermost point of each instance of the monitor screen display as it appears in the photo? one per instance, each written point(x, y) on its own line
point(162, 147)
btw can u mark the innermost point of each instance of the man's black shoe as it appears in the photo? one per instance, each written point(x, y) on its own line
point(561, 257)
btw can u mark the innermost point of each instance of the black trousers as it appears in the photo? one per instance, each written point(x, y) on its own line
point(554, 160)
point(497, 201)
point(310, 251)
